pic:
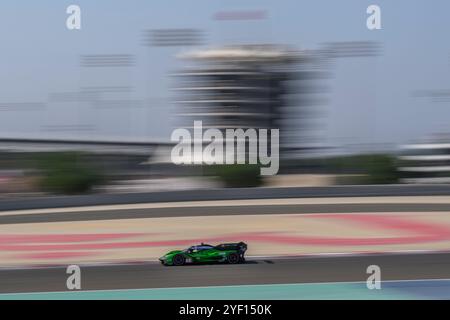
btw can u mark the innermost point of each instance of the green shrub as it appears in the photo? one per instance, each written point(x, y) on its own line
point(237, 175)
point(381, 169)
point(367, 169)
point(67, 173)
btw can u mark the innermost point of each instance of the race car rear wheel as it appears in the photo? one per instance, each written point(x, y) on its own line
point(178, 260)
point(233, 258)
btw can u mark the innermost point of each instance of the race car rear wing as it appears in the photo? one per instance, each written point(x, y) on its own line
point(240, 246)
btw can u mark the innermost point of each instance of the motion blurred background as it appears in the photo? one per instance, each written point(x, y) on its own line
point(92, 110)
point(86, 118)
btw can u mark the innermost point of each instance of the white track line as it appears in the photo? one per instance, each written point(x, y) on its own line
point(230, 203)
point(226, 286)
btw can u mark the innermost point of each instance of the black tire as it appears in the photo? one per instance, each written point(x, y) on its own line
point(179, 260)
point(233, 258)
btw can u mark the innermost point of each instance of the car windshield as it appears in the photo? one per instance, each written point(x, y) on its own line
point(197, 248)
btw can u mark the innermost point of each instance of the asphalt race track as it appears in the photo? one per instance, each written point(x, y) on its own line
point(412, 266)
point(117, 214)
point(267, 271)
point(223, 194)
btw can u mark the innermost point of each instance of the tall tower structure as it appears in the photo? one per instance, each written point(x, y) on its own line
point(241, 87)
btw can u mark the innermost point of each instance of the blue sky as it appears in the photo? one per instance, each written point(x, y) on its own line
point(370, 100)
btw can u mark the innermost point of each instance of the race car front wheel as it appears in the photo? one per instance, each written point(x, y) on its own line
point(178, 260)
point(233, 258)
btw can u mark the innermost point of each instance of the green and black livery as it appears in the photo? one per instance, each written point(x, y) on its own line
point(232, 253)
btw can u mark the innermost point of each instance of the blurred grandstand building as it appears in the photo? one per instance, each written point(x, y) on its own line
point(244, 86)
point(427, 162)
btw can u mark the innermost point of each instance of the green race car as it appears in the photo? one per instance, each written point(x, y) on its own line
point(227, 252)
